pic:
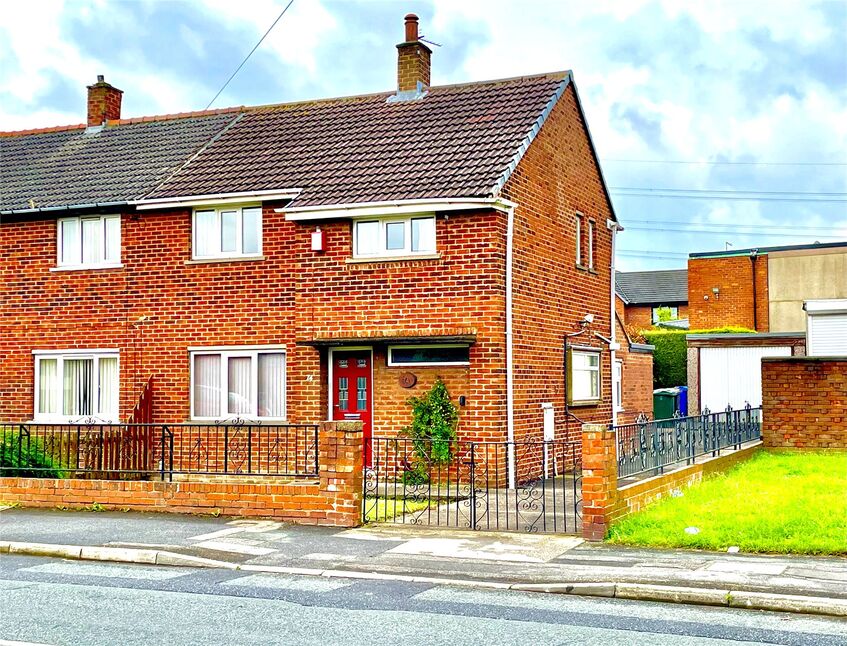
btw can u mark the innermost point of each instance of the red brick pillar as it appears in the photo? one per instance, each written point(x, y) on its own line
point(599, 480)
point(340, 468)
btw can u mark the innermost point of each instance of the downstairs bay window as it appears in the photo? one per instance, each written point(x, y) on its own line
point(584, 376)
point(76, 386)
point(245, 383)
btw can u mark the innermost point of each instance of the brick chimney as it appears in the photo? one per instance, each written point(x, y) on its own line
point(412, 60)
point(104, 102)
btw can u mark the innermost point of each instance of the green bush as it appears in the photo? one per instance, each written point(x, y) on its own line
point(25, 457)
point(433, 430)
point(670, 359)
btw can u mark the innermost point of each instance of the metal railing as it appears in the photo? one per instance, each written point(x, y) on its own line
point(142, 451)
point(529, 486)
point(651, 446)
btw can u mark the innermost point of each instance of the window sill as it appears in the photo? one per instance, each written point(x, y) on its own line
point(87, 267)
point(206, 261)
point(581, 267)
point(584, 403)
point(374, 259)
point(247, 421)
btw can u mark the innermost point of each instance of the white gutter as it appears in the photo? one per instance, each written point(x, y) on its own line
point(510, 380)
point(394, 207)
point(216, 198)
point(614, 227)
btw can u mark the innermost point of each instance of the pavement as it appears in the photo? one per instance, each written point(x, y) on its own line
point(513, 561)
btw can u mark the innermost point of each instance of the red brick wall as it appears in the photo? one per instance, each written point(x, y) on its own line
point(733, 276)
point(334, 499)
point(640, 317)
point(637, 380)
point(292, 295)
point(556, 179)
point(804, 403)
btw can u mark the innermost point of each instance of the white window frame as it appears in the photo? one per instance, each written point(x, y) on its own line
point(654, 313)
point(239, 231)
point(419, 346)
point(61, 356)
point(81, 264)
point(578, 218)
point(591, 244)
point(227, 352)
point(618, 385)
point(577, 350)
point(382, 251)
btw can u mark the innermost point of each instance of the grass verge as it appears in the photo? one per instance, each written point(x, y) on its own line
point(379, 509)
point(780, 502)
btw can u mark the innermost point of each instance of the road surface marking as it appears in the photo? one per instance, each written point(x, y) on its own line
point(235, 548)
point(239, 526)
point(78, 568)
point(6, 642)
point(277, 582)
point(322, 556)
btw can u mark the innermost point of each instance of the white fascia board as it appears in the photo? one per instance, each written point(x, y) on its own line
point(399, 207)
point(216, 198)
point(826, 306)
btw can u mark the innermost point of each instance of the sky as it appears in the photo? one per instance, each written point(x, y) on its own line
point(745, 98)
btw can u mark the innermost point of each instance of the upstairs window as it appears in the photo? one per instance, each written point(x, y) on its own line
point(591, 244)
point(394, 237)
point(227, 232)
point(578, 221)
point(89, 241)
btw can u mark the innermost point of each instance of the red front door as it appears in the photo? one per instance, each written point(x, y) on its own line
point(352, 390)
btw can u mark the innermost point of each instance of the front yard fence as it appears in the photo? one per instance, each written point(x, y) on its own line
point(651, 446)
point(144, 451)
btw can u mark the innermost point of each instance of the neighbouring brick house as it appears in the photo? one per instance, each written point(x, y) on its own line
point(640, 294)
point(313, 260)
point(764, 289)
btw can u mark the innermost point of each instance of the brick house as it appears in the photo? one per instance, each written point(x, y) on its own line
point(641, 294)
point(764, 289)
point(304, 261)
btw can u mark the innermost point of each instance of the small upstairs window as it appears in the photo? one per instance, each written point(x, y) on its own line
point(227, 232)
point(591, 244)
point(89, 242)
point(394, 237)
point(578, 227)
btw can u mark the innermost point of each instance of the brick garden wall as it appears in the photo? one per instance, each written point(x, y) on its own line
point(804, 402)
point(335, 498)
point(557, 178)
point(733, 276)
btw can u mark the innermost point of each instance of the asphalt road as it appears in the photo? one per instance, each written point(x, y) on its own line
point(50, 601)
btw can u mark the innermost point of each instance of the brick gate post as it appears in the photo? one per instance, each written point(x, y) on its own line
point(599, 480)
point(341, 471)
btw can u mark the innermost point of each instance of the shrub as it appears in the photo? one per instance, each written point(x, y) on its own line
point(433, 430)
point(670, 359)
point(25, 457)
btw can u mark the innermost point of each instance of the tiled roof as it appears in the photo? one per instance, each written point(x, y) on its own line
point(454, 142)
point(73, 166)
point(653, 287)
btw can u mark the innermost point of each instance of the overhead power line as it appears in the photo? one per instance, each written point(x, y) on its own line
point(730, 191)
point(732, 232)
point(246, 58)
point(721, 163)
point(737, 227)
point(732, 198)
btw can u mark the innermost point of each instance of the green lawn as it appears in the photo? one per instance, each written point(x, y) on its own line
point(775, 502)
point(381, 509)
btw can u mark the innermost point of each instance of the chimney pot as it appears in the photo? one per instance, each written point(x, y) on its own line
point(413, 61)
point(104, 102)
point(411, 28)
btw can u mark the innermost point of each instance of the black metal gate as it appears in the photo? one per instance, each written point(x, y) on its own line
point(473, 485)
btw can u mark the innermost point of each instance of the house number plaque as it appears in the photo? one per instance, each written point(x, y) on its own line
point(407, 380)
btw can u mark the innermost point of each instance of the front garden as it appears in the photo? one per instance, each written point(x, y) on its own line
point(780, 502)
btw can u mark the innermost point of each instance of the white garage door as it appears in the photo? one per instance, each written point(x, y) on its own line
point(734, 375)
point(827, 335)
